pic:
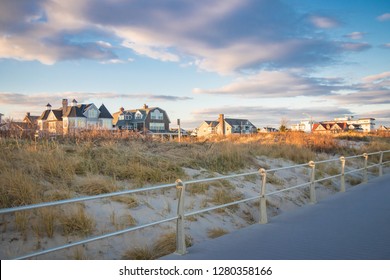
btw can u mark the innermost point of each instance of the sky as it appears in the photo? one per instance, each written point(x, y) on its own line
point(263, 60)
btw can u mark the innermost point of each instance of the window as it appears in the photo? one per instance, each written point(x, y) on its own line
point(80, 123)
point(92, 113)
point(127, 117)
point(157, 126)
point(138, 115)
point(121, 117)
point(156, 115)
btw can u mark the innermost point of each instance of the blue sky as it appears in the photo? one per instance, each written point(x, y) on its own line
point(264, 60)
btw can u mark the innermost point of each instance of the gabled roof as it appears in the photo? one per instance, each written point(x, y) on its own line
point(76, 111)
point(57, 114)
point(337, 126)
point(44, 115)
point(238, 122)
point(145, 112)
point(212, 123)
point(104, 113)
point(30, 119)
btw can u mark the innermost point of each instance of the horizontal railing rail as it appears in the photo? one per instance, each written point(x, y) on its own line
point(181, 186)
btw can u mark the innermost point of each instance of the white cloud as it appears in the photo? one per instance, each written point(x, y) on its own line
point(273, 84)
point(152, 51)
point(355, 47)
point(355, 35)
point(324, 22)
point(263, 116)
point(386, 46)
point(377, 77)
point(384, 17)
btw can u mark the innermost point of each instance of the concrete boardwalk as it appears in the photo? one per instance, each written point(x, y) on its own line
point(345, 226)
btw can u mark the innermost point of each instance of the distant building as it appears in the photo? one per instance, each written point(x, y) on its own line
point(31, 120)
point(366, 124)
point(225, 126)
point(74, 118)
point(0, 117)
point(149, 119)
point(305, 126)
point(384, 128)
point(267, 129)
point(333, 127)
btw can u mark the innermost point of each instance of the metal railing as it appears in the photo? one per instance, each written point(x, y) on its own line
point(181, 187)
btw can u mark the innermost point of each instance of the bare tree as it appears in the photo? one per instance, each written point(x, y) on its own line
point(283, 124)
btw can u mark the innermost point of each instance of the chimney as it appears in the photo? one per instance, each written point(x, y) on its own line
point(28, 114)
point(121, 109)
point(146, 106)
point(48, 107)
point(64, 106)
point(74, 102)
point(221, 121)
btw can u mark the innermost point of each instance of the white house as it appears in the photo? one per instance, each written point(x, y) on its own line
point(305, 126)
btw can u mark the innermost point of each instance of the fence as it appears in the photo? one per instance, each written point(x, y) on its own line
point(181, 186)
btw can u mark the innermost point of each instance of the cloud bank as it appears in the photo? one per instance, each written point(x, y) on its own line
point(219, 36)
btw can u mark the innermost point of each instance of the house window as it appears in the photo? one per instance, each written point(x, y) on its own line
point(157, 126)
point(138, 115)
point(80, 123)
point(121, 117)
point(127, 117)
point(156, 115)
point(92, 114)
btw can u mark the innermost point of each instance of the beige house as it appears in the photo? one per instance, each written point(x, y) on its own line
point(74, 118)
point(225, 126)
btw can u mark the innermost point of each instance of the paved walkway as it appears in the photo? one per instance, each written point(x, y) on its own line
point(346, 226)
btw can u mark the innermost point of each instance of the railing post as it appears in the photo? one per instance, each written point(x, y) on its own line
point(180, 233)
point(381, 164)
point(313, 198)
point(263, 200)
point(342, 187)
point(365, 174)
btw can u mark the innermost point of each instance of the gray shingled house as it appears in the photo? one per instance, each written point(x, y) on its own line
point(151, 119)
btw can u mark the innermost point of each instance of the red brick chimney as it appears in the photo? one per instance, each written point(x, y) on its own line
point(221, 121)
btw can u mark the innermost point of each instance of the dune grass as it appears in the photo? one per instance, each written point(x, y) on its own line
point(164, 245)
point(56, 170)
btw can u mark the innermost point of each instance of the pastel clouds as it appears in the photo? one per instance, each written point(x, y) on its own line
point(218, 36)
point(324, 22)
point(384, 17)
point(355, 35)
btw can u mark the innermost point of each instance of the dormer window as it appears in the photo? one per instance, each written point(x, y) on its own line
point(156, 115)
point(138, 115)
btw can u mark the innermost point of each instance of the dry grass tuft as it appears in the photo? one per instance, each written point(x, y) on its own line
point(216, 232)
point(130, 200)
point(77, 222)
point(165, 245)
point(222, 196)
point(95, 185)
point(17, 188)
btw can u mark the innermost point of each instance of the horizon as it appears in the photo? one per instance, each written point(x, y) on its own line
point(264, 61)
